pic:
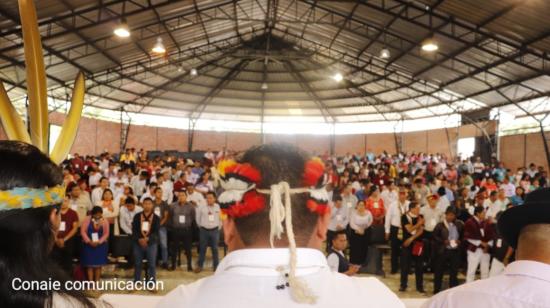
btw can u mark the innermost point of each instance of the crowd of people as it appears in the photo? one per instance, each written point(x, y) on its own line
point(438, 214)
point(435, 213)
point(129, 209)
point(278, 207)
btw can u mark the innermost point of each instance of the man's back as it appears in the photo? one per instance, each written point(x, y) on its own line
point(248, 278)
point(524, 284)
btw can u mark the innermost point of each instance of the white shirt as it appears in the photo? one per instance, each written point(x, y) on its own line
point(358, 222)
point(395, 212)
point(492, 208)
point(167, 191)
point(247, 278)
point(432, 217)
point(443, 203)
point(97, 194)
point(349, 201)
point(388, 196)
point(94, 179)
point(333, 261)
point(523, 284)
point(338, 217)
point(196, 197)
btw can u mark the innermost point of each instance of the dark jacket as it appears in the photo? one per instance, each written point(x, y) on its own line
point(441, 234)
point(153, 234)
point(472, 230)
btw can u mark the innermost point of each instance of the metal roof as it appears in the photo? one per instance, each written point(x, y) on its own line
point(491, 53)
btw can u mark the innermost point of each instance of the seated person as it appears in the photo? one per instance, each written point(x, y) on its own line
point(263, 268)
point(336, 259)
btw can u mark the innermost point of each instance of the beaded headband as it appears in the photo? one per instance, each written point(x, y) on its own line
point(26, 198)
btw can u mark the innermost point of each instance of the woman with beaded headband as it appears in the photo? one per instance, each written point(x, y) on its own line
point(30, 197)
point(276, 216)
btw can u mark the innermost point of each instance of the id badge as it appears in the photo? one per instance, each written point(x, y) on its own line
point(157, 211)
point(210, 217)
point(62, 226)
point(376, 205)
point(482, 232)
point(338, 217)
point(95, 237)
point(182, 219)
point(145, 226)
point(499, 243)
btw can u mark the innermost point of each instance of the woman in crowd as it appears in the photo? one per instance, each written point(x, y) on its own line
point(518, 198)
point(205, 185)
point(63, 249)
point(360, 221)
point(111, 209)
point(30, 196)
point(95, 235)
point(375, 205)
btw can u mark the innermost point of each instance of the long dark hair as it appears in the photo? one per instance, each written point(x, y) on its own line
point(27, 235)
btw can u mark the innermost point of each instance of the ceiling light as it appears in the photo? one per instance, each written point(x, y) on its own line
point(429, 44)
point(338, 77)
point(159, 46)
point(385, 53)
point(122, 30)
point(264, 86)
point(193, 72)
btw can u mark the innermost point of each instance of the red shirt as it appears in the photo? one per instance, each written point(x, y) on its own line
point(377, 210)
point(69, 218)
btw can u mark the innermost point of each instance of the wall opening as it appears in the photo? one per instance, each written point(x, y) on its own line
point(466, 147)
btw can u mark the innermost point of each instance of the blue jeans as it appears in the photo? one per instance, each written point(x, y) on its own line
point(150, 253)
point(163, 238)
point(208, 238)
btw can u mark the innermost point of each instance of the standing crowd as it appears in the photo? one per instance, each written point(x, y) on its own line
point(433, 213)
point(137, 211)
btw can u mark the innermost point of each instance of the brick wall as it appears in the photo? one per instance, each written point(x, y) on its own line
point(95, 136)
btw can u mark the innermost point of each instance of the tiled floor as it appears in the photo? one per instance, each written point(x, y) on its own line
point(172, 279)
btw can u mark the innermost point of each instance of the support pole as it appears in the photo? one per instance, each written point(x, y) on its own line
point(545, 142)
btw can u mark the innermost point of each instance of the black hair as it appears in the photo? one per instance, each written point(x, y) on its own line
point(106, 191)
point(441, 191)
point(451, 209)
point(130, 200)
point(147, 199)
point(96, 210)
point(27, 236)
point(339, 232)
point(413, 204)
point(478, 209)
point(157, 189)
point(277, 162)
point(211, 193)
point(337, 197)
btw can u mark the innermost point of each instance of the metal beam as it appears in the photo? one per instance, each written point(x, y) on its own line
point(307, 88)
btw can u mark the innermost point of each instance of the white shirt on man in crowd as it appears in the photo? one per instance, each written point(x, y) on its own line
point(395, 211)
point(339, 217)
point(196, 197)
